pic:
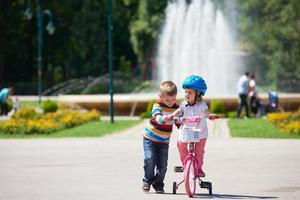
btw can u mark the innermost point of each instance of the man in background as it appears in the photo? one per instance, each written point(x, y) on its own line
point(4, 96)
point(243, 90)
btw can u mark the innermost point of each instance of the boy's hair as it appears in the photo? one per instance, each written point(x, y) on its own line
point(168, 88)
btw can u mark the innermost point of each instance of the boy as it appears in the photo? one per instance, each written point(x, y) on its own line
point(157, 136)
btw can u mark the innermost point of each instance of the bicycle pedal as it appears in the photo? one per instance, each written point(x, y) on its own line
point(178, 169)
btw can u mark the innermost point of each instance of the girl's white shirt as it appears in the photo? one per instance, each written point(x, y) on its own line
point(198, 109)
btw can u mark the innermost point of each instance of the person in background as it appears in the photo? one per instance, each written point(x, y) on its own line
point(16, 104)
point(254, 101)
point(243, 91)
point(4, 97)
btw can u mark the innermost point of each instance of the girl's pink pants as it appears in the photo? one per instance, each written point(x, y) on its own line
point(199, 151)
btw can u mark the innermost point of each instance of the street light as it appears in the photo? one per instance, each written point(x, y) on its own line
point(110, 60)
point(50, 28)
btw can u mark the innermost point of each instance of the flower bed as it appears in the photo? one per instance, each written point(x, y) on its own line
point(287, 121)
point(27, 121)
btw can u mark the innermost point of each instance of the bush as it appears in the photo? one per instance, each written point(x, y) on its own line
point(49, 106)
point(10, 105)
point(25, 113)
point(217, 106)
point(231, 114)
point(148, 112)
point(23, 122)
point(286, 121)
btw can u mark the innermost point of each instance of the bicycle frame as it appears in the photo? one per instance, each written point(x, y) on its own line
point(191, 155)
point(190, 169)
point(194, 162)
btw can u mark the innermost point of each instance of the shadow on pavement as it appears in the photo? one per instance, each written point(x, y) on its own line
point(225, 196)
point(231, 196)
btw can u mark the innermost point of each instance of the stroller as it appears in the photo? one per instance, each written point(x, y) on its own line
point(262, 109)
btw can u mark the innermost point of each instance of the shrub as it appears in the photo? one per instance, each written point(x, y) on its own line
point(231, 114)
point(10, 105)
point(49, 106)
point(217, 106)
point(47, 123)
point(286, 121)
point(25, 113)
point(148, 112)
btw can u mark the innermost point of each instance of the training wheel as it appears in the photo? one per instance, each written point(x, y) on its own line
point(174, 187)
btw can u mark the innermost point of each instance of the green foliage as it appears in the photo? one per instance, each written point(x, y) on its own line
point(231, 114)
point(46, 123)
point(217, 106)
point(49, 106)
point(78, 48)
point(90, 129)
point(25, 113)
point(10, 105)
point(270, 31)
point(148, 112)
point(121, 85)
point(144, 30)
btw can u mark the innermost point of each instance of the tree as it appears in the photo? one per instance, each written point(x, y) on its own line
point(145, 30)
point(271, 30)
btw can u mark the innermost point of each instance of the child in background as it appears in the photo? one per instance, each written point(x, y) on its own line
point(157, 136)
point(195, 88)
point(16, 104)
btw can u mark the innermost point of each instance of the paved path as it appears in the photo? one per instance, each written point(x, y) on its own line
point(110, 168)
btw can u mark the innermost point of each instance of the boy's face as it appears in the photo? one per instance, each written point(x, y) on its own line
point(190, 95)
point(167, 99)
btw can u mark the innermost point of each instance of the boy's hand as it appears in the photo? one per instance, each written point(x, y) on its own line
point(167, 118)
point(177, 112)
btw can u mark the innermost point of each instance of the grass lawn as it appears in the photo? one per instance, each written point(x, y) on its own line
point(257, 128)
point(91, 129)
point(31, 104)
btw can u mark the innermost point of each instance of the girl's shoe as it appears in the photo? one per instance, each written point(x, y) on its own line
point(200, 173)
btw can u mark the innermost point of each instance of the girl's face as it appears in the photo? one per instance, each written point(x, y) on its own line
point(190, 95)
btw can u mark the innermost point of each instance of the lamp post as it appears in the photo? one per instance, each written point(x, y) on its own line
point(50, 28)
point(110, 60)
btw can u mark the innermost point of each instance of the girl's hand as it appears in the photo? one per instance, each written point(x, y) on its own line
point(167, 118)
point(213, 116)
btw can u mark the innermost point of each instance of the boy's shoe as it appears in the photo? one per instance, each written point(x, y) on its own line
point(159, 190)
point(146, 186)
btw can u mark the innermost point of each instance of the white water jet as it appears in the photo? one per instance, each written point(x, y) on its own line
point(196, 39)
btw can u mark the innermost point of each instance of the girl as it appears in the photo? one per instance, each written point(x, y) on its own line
point(195, 88)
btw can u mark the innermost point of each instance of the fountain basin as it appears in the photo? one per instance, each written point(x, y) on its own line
point(135, 104)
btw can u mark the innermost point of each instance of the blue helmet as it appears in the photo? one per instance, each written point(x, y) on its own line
point(195, 82)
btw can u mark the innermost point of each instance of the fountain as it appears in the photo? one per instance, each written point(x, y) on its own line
point(196, 39)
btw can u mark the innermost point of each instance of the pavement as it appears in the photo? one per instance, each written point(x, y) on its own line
point(111, 167)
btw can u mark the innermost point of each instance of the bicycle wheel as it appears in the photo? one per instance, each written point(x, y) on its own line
point(189, 178)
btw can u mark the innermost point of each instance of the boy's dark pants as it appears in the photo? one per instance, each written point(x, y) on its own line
point(155, 163)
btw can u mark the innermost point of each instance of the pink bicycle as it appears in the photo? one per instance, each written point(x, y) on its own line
point(190, 134)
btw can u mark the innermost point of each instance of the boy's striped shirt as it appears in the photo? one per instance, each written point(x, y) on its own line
point(157, 130)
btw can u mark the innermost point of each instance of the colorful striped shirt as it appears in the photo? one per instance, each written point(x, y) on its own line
point(157, 130)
